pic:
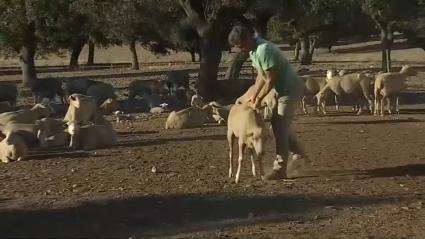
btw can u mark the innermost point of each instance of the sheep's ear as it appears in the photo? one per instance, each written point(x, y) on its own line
point(2, 136)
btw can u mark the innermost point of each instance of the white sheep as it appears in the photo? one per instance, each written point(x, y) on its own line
point(13, 147)
point(160, 109)
point(270, 100)
point(26, 116)
point(248, 126)
point(191, 117)
point(312, 86)
point(122, 117)
point(389, 85)
point(89, 137)
point(351, 85)
point(83, 109)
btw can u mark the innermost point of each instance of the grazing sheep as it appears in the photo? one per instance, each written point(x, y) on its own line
point(247, 125)
point(47, 88)
point(191, 117)
point(143, 88)
point(5, 106)
point(76, 86)
point(83, 109)
point(101, 92)
point(109, 106)
point(177, 79)
point(26, 116)
point(89, 137)
point(8, 92)
point(312, 86)
point(389, 85)
point(351, 85)
point(13, 147)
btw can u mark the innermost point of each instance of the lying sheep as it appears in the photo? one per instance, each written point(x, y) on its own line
point(351, 85)
point(101, 92)
point(47, 88)
point(13, 147)
point(109, 106)
point(83, 109)
point(89, 137)
point(247, 125)
point(389, 85)
point(160, 109)
point(26, 116)
point(51, 133)
point(191, 117)
point(8, 92)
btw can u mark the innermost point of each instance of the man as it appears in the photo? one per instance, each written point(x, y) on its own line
point(274, 71)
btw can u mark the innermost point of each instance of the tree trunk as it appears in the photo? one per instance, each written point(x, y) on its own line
point(313, 41)
point(75, 52)
point(297, 51)
point(306, 57)
point(27, 54)
point(211, 56)
point(134, 58)
point(90, 58)
point(234, 69)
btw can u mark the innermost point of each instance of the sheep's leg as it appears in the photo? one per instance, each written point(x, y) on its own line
point(389, 105)
point(304, 107)
point(359, 107)
point(397, 106)
point(382, 105)
point(254, 171)
point(238, 172)
point(230, 141)
point(336, 103)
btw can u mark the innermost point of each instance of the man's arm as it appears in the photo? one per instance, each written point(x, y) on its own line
point(258, 86)
point(268, 84)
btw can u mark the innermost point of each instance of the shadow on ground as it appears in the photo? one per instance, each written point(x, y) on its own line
point(414, 170)
point(163, 215)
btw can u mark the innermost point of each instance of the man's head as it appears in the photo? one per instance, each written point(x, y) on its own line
point(242, 37)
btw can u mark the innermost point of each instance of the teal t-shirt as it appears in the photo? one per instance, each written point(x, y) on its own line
point(267, 55)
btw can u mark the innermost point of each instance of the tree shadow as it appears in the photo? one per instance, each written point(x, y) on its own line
point(59, 153)
point(150, 142)
point(162, 215)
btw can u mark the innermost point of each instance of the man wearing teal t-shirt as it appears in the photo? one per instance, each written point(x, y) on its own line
point(274, 71)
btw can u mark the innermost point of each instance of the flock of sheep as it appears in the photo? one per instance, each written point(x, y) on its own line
point(376, 90)
point(78, 121)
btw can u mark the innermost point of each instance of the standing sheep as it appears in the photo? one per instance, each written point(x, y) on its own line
point(247, 125)
point(312, 86)
point(389, 85)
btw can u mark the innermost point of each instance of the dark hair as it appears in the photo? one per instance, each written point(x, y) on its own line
point(238, 34)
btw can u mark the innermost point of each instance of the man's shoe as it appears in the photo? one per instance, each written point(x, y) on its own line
point(276, 174)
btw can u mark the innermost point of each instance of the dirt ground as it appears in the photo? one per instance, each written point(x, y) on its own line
point(365, 179)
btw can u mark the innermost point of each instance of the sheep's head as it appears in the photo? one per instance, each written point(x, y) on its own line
point(74, 100)
point(330, 74)
point(408, 70)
